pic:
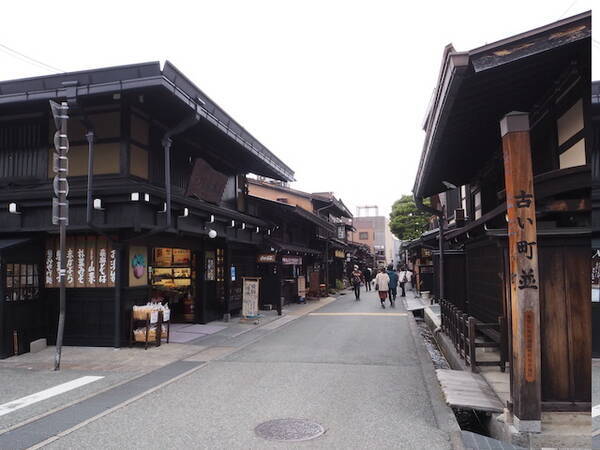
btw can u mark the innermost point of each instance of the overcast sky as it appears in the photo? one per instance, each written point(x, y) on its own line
point(337, 90)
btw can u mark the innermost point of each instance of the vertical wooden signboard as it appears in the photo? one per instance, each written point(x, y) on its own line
point(250, 294)
point(50, 262)
point(70, 264)
point(524, 274)
point(80, 262)
point(91, 260)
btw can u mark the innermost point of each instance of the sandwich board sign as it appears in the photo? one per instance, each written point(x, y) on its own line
point(250, 292)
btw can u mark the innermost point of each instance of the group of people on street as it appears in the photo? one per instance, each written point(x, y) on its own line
point(386, 282)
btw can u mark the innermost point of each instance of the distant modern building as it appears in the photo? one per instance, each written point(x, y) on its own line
point(374, 230)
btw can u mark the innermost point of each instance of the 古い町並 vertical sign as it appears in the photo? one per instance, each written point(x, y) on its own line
point(524, 274)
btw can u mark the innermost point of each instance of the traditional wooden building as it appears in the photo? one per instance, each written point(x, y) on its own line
point(291, 260)
point(162, 214)
point(507, 151)
point(332, 240)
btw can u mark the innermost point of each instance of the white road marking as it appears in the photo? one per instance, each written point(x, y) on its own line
point(596, 411)
point(22, 402)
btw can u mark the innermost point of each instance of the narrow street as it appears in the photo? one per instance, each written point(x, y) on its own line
point(359, 371)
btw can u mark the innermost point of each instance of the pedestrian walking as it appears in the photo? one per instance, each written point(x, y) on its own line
point(357, 278)
point(368, 278)
point(393, 275)
point(382, 281)
point(405, 277)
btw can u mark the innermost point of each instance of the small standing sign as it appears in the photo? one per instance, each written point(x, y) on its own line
point(250, 293)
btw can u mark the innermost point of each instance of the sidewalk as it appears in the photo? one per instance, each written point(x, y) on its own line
point(559, 430)
point(136, 359)
point(31, 373)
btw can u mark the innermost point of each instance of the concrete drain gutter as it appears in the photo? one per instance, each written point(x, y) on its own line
point(289, 430)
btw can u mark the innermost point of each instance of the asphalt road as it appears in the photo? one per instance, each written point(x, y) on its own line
point(365, 378)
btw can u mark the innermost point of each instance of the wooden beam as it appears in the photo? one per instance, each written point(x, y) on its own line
point(524, 274)
point(570, 205)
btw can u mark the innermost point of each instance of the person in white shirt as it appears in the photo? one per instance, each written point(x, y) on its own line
point(405, 276)
point(382, 284)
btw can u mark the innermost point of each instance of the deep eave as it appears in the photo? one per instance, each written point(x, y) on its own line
point(140, 77)
point(477, 88)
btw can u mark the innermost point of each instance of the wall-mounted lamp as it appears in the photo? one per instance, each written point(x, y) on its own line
point(135, 196)
point(258, 229)
point(186, 212)
point(164, 210)
point(212, 234)
point(98, 204)
point(146, 197)
point(232, 225)
point(212, 219)
point(12, 208)
point(243, 226)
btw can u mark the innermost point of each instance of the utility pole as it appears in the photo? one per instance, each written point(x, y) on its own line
point(60, 209)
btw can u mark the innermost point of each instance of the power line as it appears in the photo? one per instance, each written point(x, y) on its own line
point(23, 57)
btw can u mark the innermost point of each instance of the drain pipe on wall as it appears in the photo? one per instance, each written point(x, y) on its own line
point(166, 142)
point(440, 214)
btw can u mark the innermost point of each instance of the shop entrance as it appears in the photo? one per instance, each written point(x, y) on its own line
point(173, 280)
point(214, 285)
point(270, 288)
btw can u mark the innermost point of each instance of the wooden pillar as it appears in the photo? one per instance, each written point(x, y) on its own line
point(524, 274)
point(227, 275)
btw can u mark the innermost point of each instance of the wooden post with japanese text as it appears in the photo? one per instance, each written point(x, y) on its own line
point(524, 274)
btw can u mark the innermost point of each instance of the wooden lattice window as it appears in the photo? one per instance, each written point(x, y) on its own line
point(21, 282)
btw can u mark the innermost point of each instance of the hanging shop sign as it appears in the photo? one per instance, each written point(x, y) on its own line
point(287, 260)
point(90, 262)
point(341, 232)
point(138, 266)
point(206, 183)
point(340, 254)
point(266, 258)
point(250, 293)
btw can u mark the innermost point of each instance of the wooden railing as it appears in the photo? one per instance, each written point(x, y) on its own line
point(468, 334)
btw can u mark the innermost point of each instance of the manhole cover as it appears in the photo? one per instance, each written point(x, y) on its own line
point(289, 430)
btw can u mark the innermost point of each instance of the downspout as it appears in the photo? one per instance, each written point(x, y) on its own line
point(116, 245)
point(166, 142)
point(440, 214)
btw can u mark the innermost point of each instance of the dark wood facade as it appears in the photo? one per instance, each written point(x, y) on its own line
point(132, 110)
point(464, 149)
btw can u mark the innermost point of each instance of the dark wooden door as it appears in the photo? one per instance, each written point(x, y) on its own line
point(565, 287)
point(269, 293)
